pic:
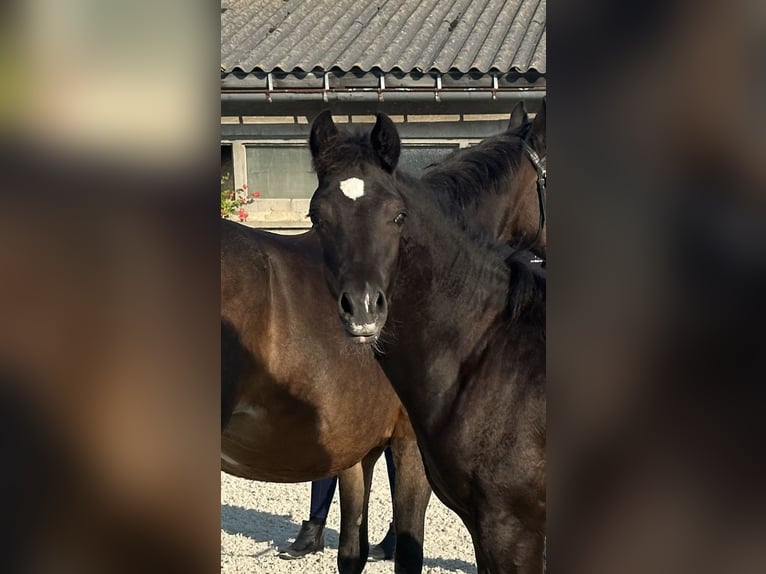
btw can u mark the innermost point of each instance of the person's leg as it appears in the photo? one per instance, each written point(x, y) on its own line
point(385, 549)
point(322, 492)
point(310, 539)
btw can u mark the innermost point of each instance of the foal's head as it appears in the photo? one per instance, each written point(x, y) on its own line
point(358, 213)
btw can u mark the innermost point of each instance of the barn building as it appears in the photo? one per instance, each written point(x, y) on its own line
point(447, 72)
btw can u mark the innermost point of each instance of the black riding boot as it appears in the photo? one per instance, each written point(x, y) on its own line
point(385, 550)
point(310, 539)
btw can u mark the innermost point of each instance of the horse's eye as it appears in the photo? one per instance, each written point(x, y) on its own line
point(399, 219)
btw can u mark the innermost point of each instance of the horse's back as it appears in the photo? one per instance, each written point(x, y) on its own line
point(259, 268)
point(248, 251)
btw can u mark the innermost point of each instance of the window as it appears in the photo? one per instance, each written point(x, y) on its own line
point(227, 168)
point(280, 171)
point(416, 156)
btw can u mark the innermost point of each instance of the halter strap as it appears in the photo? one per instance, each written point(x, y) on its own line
point(539, 165)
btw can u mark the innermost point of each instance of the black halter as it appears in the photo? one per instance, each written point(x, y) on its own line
point(539, 165)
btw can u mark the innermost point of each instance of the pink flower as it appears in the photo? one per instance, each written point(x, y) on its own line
point(242, 214)
point(256, 194)
point(244, 186)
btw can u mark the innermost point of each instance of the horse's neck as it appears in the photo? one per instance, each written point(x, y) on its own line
point(491, 209)
point(447, 296)
point(502, 202)
point(494, 213)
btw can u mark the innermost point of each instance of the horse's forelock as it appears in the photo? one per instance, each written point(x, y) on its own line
point(346, 151)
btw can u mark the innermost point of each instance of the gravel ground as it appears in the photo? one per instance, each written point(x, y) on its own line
point(257, 518)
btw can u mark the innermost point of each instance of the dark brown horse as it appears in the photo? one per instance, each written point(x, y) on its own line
point(299, 400)
point(296, 391)
point(464, 337)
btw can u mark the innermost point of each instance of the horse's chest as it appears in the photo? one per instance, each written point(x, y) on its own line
point(462, 454)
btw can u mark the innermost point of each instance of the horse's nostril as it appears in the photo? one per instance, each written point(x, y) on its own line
point(380, 302)
point(345, 304)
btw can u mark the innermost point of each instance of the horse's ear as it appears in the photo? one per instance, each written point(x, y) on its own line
point(385, 142)
point(538, 125)
point(519, 116)
point(323, 131)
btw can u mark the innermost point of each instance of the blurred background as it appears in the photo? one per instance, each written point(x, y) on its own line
point(110, 137)
point(109, 286)
point(658, 269)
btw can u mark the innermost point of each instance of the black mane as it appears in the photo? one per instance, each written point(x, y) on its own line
point(526, 288)
point(526, 281)
point(464, 177)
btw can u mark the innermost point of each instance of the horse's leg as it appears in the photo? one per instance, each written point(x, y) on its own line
point(355, 484)
point(411, 497)
point(368, 467)
point(351, 484)
point(482, 566)
point(510, 547)
point(528, 551)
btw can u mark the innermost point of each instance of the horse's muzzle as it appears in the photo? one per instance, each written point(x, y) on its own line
point(363, 313)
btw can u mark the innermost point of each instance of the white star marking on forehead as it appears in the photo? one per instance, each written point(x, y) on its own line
point(353, 188)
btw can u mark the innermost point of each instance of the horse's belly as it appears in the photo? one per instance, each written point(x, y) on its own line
point(257, 446)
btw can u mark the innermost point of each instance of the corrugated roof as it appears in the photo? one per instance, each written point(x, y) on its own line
point(421, 36)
